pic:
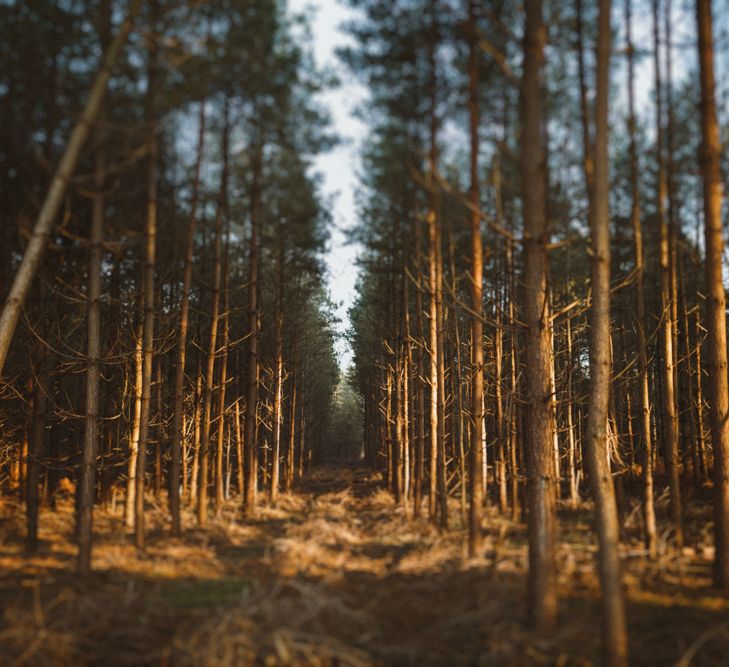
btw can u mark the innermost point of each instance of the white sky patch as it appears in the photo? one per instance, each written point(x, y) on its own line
point(339, 166)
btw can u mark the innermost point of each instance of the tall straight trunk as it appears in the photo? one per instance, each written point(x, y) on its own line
point(185, 457)
point(220, 494)
point(514, 412)
point(670, 418)
point(54, 197)
point(209, 384)
point(249, 500)
point(688, 378)
point(239, 447)
point(433, 232)
point(615, 638)
point(177, 434)
point(389, 428)
point(278, 375)
point(192, 499)
point(87, 488)
point(292, 435)
point(700, 443)
point(716, 300)
point(135, 427)
point(440, 320)
point(672, 209)
point(397, 413)
point(419, 470)
point(302, 436)
point(574, 476)
point(477, 412)
point(538, 349)
point(435, 256)
point(159, 440)
point(649, 514)
point(406, 365)
point(150, 246)
point(500, 300)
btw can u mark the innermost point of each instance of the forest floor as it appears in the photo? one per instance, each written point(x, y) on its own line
point(335, 574)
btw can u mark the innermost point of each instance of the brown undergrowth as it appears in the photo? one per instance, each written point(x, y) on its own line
point(335, 575)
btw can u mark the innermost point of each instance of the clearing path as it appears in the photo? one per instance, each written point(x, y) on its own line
point(336, 574)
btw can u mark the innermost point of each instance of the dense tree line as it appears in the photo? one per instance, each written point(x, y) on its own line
point(174, 335)
point(541, 313)
point(546, 320)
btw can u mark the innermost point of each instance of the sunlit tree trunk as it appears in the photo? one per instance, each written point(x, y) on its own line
point(150, 248)
point(477, 412)
point(251, 445)
point(278, 376)
point(419, 474)
point(649, 515)
point(220, 494)
point(670, 419)
point(716, 299)
point(197, 416)
point(209, 384)
point(135, 426)
point(433, 232)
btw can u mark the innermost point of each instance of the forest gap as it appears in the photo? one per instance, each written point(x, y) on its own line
point(364, 332)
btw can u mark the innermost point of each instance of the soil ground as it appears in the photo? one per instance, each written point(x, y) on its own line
point(336, 574)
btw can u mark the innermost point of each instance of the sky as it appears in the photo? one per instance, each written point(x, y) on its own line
point(339, 166)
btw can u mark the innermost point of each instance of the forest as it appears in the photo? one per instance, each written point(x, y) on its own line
point(522, 455)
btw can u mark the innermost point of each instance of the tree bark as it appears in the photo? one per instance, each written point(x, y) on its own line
point(670, 419)
point(649, 514)
point(93, 371)
point(615, 638)
point(150, 240)
point(177, 434)
point(249, 500)
point(716, 300)
point(540, 417)
point(278, 375)
point(477, 412)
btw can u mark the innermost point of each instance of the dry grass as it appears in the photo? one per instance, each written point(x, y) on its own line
point(336, 575)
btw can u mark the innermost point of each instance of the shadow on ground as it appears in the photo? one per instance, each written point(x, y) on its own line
point(334, 575)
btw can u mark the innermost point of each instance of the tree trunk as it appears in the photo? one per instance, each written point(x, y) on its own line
point(670, 419)
point(220, 494)
point(716, 300)
point(540, 423)
point(615, 638)
point(177, 434)
point(649, 514)
point(477, 412)
point(278, 375)
point(93, 371)
point(150, 239)
point(209, 384)
point(136, 422)
point(249, 500)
